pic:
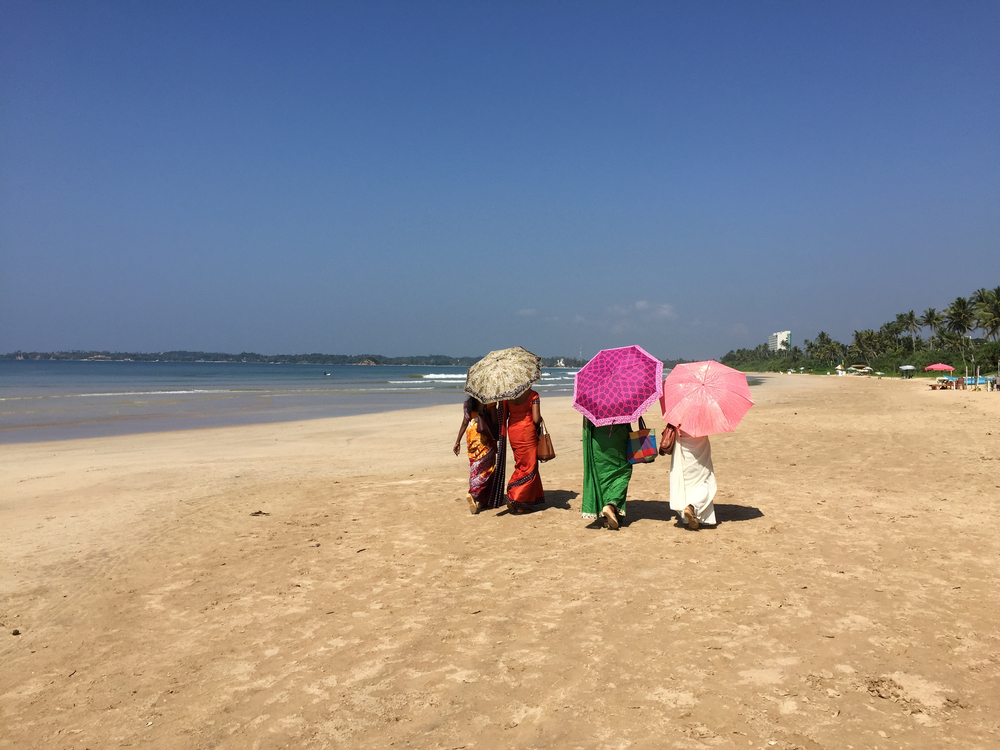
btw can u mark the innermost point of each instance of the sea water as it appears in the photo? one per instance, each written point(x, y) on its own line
point(58, 400)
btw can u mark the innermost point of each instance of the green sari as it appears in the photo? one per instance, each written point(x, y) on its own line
point(606, 471)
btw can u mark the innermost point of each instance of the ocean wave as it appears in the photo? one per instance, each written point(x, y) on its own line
point(121, 393)
point(420, 383)
point(425, 383)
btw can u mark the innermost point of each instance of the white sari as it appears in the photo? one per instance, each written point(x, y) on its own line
point(692, 478)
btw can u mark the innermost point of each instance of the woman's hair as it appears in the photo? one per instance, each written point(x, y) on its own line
point(472, 403)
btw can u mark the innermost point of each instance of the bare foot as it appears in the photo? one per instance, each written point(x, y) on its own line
point(473, 505)
point(610, 516)
point(690, 518)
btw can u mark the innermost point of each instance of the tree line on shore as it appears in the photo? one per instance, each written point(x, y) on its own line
point(950, 338)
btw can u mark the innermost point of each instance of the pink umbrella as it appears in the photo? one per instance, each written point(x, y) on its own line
point(705, 398)
point(618, 385)
point(939, 366)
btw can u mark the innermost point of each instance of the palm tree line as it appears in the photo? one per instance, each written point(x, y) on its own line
point(950, 335)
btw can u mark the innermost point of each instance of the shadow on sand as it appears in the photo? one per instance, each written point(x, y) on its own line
point(725, 513)
point(553, 499)
point(559, 498)
point(658, 510)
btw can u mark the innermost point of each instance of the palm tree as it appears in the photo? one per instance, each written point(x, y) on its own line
point(865, 346)
point(931, 319)
point(912, 325)
point(826, 348)
point(979, 296)
point(988, 314)
point(949, 340)
point(960, 318)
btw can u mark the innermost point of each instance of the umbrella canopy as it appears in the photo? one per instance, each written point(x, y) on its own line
point(907, 367)
point(705, 398)
point(618, 385)
point(939, 366)
point(503, 375)
point(839, 367)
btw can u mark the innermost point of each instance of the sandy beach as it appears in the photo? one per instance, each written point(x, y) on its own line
point(847, 598)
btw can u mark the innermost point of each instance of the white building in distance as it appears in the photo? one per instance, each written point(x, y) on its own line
point(779, 340)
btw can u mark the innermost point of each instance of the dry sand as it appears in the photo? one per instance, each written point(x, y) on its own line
point(846, 600)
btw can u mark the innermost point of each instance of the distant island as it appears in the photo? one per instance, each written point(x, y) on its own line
point(431, 360)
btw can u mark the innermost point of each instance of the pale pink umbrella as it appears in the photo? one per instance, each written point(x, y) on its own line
point(705, 398)
point(939, 366)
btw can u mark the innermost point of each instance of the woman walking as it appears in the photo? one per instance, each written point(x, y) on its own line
point(692, 476)
point(522, 416)
point(606, 471)
point(479, 425)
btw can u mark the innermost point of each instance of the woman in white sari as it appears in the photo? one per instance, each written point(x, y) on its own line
point(692, 478)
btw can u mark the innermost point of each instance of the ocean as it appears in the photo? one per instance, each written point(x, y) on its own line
point(59, 400)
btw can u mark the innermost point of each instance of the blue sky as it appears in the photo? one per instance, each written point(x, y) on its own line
point(434, 177)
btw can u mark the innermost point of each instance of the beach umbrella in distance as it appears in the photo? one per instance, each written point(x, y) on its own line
point(939, 366)
point(503, 375)
point(617, 385)
point(705, 398)
point(907, 367)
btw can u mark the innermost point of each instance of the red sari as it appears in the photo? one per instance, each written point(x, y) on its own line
point(525, 484)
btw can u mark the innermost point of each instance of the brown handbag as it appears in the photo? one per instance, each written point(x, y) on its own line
point(545, 450)
point(667, 440)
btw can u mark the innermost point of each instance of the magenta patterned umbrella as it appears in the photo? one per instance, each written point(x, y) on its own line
point(618, 385)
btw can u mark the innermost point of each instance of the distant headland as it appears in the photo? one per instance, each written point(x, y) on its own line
point(430, 360)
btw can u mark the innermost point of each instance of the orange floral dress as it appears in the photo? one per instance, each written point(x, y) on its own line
point(482, 456)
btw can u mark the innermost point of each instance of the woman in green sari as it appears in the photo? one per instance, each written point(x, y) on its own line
point(606, 471)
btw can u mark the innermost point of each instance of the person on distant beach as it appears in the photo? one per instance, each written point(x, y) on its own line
point(479, 425)
point(522, 417)
point(692, 477)
point(606, 471)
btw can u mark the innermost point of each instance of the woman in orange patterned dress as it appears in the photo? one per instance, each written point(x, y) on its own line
point(523, 418)
point(479, 425)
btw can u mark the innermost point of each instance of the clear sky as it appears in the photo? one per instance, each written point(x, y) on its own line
point(437, 177)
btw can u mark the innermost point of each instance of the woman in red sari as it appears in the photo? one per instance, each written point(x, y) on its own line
point(523, 417)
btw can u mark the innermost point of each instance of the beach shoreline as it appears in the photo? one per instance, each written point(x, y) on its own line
point(61, 400)
point(846, 597)
point(159, 420)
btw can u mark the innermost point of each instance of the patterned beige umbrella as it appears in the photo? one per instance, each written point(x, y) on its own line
point(503, 375)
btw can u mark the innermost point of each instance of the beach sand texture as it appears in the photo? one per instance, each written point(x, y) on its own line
point(847, 598)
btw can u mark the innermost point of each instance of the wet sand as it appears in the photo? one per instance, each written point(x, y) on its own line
point(846, 599)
